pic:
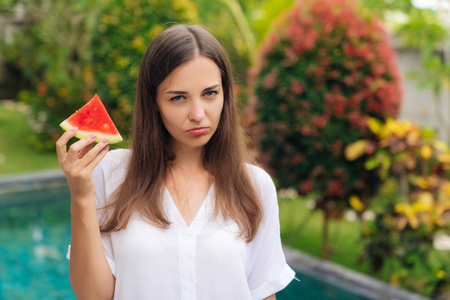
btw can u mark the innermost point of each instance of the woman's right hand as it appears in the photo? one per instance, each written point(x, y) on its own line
point(79, 162)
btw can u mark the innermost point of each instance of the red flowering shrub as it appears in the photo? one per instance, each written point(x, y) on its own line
point(322, 73)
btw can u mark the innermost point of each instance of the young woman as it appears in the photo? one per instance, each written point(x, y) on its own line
point(180, 215)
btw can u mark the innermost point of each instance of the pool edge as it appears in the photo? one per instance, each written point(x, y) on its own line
point(340, 276)
point(32, 181)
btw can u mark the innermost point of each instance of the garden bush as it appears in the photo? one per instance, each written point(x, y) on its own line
point(119, 41)
point(69, 50)
point(52, 51)
point(412, 209)
point(322, 72)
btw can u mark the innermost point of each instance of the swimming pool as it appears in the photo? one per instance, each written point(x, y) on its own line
point(35, 232)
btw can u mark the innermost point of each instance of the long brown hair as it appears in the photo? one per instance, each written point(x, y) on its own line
point(225, 153)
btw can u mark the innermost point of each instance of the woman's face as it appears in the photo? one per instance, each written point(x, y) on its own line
point(190, 102)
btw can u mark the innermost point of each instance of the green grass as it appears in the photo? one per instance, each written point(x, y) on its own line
point(16, 154)
point(301, 228)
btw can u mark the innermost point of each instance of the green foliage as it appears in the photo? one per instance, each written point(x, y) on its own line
point(124, 31)
point(383, 6)
point(322, 72)
point(412, 208)
point(424, 29)
point(52, 50)
point(69, 50)
point(391, 244)
point(240, 26)
point(7, 6)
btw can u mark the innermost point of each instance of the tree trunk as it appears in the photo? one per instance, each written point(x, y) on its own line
point(404, 187)
point(325, 246)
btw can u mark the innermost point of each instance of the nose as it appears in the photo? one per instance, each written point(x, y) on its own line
point(196, 110)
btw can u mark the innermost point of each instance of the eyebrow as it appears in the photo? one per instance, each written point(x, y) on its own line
point(184, 92)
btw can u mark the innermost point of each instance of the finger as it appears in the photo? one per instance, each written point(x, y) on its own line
point(62, 142)
point(92, 154)
point(76, 148)
point(91, 166)
point(85, 150)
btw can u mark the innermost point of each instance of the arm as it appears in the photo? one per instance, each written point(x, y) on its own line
point(89, 272)
point(269, 271)
point(273, 297)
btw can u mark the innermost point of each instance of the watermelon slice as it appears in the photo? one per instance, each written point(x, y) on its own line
point(93, 118)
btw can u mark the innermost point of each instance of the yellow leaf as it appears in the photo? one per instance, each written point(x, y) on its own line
point(426, 198)
point(426, 183)
point(407, 210)
point(422, 183)
point(442, 207)
point(355, 150)
point(413, 138)
point(424, 202)
point(444, 158)
point(402, 223)
point(413, 221)
point(138, 42)
point(440, 145)
point(374, 125)
point(390, 126)
point(446, 188)
point(440, 274)
point(157, 29)
point(356, 203)
point(426, 152)
point(402, 128)
point(401, 208)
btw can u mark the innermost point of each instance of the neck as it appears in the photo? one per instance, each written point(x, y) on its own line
point(189, 159)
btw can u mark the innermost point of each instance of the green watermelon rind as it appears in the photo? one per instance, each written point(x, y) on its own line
point(113, 138)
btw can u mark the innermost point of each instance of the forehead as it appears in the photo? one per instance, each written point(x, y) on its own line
point(199, 72)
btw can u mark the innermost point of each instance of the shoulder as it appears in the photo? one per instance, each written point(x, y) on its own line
point(116, 157)
point(262, 183)
point(113, 160)
point(113, 166)
point(258, 174)
point(109, 174)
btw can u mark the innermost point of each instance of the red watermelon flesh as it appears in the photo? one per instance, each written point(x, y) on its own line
point(93, 118)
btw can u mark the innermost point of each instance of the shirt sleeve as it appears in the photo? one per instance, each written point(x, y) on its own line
point(98, 176)
point(269, 273)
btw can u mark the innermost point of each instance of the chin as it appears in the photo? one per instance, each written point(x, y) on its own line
point(200, 142)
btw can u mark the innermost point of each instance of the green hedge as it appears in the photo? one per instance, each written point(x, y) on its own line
point(69, 50)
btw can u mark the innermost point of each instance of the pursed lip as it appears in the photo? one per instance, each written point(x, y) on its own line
point(197, 130)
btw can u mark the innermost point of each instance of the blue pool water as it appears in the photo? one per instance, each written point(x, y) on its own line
point(35, 232)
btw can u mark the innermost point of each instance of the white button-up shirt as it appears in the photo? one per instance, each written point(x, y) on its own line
point(204, 261)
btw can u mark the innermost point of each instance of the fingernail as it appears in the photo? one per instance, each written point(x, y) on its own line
point(105, 140)
point(106, 148)
point(93, 135)
point(74, 129)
